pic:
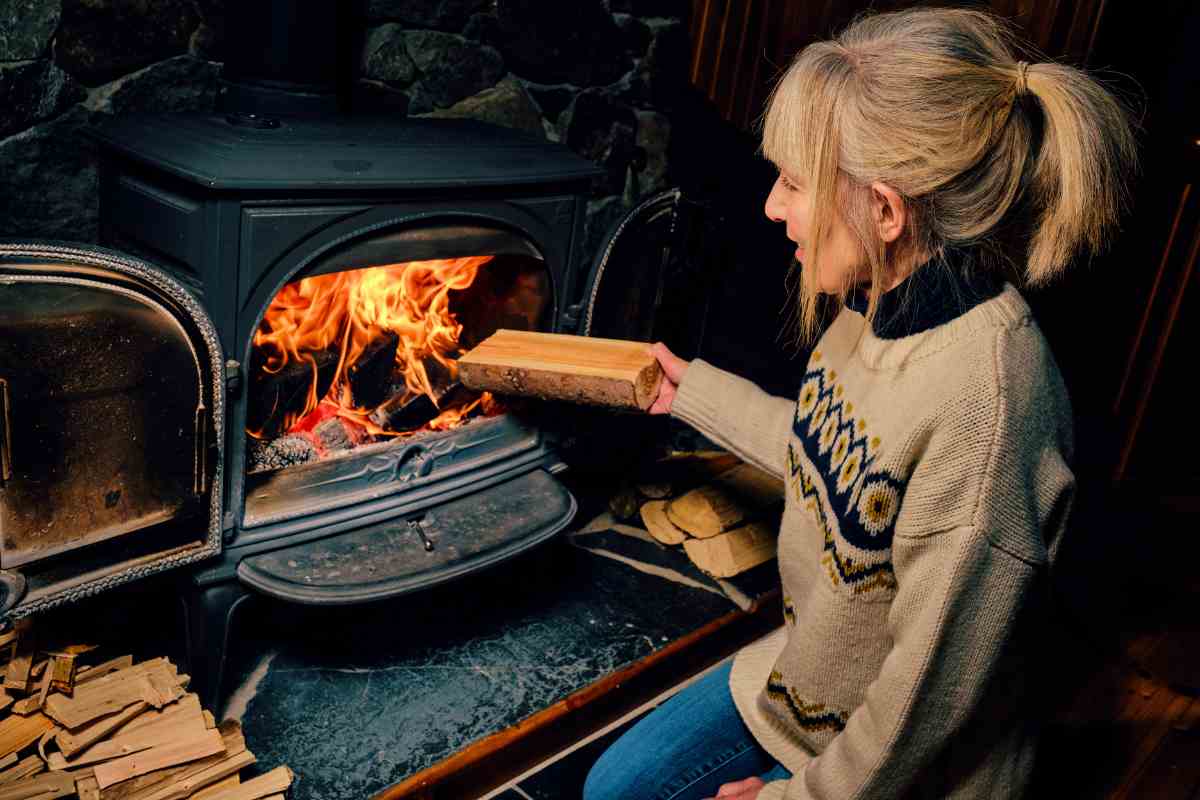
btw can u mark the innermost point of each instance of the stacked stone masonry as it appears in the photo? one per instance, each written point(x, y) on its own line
point(597, 75)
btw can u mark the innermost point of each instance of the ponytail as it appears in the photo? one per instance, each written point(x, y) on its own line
point(1079, 182)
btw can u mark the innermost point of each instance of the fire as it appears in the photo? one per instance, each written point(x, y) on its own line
point(347, 312)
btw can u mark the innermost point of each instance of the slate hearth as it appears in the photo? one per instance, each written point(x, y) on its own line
point(355, 699)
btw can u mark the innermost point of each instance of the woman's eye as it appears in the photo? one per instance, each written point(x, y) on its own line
point(787, 184)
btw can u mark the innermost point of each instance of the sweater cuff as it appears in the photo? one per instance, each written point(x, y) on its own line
point(696, 400)
point(773, 791)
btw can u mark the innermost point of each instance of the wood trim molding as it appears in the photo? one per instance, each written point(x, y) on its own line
point(1143, 326)
point(1150, 376)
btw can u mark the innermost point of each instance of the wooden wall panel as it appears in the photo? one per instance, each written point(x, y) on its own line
point(740, 46)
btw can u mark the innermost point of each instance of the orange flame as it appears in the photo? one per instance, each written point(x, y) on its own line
point(349, 310)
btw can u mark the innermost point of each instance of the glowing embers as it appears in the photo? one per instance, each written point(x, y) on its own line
point(362, 356)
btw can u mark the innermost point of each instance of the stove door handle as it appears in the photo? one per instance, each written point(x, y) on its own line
point(6, 466)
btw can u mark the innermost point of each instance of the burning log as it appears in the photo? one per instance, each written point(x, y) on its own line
point(274, 395)
point(406, 410)
point(370, 375)
point(409, 412)
point(577, 369)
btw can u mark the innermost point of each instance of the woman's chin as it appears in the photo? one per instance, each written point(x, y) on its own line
point(825, 286)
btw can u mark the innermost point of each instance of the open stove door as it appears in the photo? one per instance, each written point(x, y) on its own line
point(652, 280)
point(111, 416)
point(652, 277)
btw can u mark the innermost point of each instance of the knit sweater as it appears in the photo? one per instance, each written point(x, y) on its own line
point(926, 471)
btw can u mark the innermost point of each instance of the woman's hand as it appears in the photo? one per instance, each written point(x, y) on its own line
point(673, 368)
point(741, 790)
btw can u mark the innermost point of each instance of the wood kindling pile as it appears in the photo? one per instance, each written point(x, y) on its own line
point(727, 522)
point(115, 730)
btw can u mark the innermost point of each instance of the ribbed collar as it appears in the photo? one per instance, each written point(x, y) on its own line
point(940, 290)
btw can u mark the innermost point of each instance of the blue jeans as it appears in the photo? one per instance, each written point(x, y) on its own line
point(683, 750)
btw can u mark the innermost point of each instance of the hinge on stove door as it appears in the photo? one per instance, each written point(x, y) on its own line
point(6, 466)
point(571, 318)
point(12, 590)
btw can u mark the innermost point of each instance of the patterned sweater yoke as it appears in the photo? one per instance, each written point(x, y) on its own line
point(926, 465)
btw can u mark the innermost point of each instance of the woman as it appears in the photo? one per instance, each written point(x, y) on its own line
point(927, 456)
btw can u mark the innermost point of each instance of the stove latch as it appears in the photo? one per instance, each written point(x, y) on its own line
point(417, 528)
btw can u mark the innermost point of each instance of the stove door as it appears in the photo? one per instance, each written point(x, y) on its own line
point(653, 275)
point(111, 414)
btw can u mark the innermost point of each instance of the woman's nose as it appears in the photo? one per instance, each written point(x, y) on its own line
point(775, 210)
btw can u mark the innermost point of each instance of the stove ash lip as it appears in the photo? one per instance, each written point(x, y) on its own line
point(313, 496)
point(449, 540)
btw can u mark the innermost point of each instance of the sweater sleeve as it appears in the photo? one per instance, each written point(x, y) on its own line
point(736, 414)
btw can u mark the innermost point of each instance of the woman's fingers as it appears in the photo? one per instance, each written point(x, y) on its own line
point(746, 789)
point(672, 365)
point(732, 789)
point(673, 368)
point(666, 395)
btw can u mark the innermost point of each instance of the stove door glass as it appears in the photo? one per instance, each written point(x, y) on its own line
point(105, 430)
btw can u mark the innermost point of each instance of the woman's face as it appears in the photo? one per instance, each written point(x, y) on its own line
point(841, 263)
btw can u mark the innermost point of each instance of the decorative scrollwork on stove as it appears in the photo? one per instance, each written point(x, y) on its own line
point(418, 460)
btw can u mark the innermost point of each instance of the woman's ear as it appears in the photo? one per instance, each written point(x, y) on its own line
point(890, 211)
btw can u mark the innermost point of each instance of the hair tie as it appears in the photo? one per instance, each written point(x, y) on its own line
point(1022, 79)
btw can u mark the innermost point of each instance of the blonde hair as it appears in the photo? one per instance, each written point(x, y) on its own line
point(935, 104)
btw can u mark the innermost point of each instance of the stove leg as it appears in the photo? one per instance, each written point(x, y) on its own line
point(209, 617)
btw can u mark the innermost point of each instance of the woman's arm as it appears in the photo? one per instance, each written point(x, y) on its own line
point(729, 410)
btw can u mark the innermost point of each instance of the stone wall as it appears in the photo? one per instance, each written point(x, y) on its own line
point(599, 75)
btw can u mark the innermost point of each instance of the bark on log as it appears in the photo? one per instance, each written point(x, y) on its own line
point(576, 369)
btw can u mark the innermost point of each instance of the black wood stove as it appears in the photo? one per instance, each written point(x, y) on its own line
point(256, 375)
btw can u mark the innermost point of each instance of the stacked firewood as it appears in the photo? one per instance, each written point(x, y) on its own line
point(115, 730)
point(723, 512)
